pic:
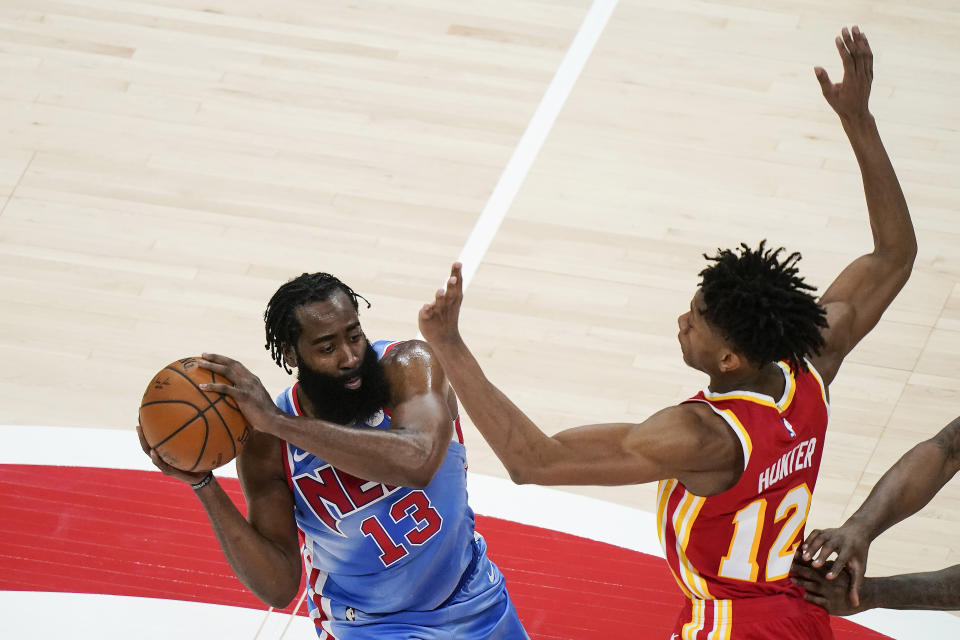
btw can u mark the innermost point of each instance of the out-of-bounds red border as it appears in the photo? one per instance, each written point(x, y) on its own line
point(138, 533)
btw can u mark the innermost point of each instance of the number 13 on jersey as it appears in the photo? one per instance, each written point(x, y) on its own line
point(740, 563)
point(427, 521)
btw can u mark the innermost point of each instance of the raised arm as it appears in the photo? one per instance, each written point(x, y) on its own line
point(687, 442)
point(902, 491)
point(262, 549)
point(407, 454)
point(856, 300)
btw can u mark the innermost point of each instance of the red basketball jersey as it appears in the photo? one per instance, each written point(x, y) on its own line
point(740, 543)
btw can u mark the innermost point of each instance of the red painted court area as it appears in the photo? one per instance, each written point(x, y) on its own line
point(138, 533)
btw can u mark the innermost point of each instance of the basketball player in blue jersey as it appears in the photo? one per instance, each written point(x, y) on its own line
point(363, 460)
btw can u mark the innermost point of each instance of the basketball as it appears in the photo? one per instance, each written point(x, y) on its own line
point(191, 429)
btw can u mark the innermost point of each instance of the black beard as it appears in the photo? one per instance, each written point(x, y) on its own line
point(333, 402)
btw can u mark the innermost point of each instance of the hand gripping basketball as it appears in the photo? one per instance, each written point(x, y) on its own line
point(168, 469)
point(187, 427)
point(242, 387)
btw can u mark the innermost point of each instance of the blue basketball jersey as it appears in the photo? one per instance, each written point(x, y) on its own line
point(374, 547)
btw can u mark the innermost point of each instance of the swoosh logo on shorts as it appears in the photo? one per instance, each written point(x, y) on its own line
point(299, 455)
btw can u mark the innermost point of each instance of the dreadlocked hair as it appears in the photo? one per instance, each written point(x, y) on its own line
point(283, 328)
point(760, 304)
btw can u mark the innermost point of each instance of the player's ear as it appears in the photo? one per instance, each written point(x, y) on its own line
point(290, 357)
point(730, 361)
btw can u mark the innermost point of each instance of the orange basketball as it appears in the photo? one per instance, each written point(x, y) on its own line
point(191, 429)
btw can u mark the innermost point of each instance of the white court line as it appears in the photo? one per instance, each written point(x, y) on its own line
point(532, 140)
point(537, 506)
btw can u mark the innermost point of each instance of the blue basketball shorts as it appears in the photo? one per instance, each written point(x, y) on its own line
point(479, 610)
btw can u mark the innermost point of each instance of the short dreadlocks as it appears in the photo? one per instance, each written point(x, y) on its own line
point(283, 328)
point(760, 304)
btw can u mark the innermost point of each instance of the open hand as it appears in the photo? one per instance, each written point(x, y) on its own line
point(439, 319)
point(849, 98)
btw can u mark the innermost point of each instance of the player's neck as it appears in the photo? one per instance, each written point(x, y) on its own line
point(767, 380)
point(303, 403)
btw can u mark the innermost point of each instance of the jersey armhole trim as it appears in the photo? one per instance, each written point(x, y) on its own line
point(734, 423)
point(823, 387)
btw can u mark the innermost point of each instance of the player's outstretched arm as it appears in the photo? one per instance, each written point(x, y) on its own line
point(902, 491)
point(262, 550)
point(864, 289)
point(407, 454)
point(687, 442)
point(934, 590)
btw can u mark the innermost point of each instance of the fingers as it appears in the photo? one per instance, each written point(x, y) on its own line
point(858, 49)
point(837, 566)
point(818, 600)
point(844, 50)
point(456, 278)
point(856, 572)
point(863, 52)
point(216, 363)
point(452, 292)
point(848, 40)
point(803, 573)
point(159, 462)
point(219, 387)
point(809, 579)
point(821, 548)
point(823, 79)
point(216, 358)
point(143, 440)
point(812, 544)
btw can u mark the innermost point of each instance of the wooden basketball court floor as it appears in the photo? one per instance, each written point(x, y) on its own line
point(165, 165)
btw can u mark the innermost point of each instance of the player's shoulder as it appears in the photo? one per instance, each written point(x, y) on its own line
point(704, 425)
point(412, 355)
point(696, 412)
point(689, 420)
point(411, 367)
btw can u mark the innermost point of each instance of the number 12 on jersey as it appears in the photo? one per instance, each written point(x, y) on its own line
point(740, 563)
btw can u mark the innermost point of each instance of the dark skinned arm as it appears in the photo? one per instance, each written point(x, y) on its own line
point(931, 590)
point(904, 489)
point(688, 442)
point(407, 454)
point(262, 549)
point(856, 300)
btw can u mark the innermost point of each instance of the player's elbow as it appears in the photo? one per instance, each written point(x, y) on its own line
point(525, 474)
point(281, 601)
point(908, 254)
point(279, 595)
point(901, 254)
point(418, 480)
point(420, 472)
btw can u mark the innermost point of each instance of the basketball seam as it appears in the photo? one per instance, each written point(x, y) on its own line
point(202, 412)
point(211, 405)
point(206, 423)
point(181, 427)
point(224, 422)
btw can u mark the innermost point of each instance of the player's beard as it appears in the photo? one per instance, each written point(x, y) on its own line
point(333, 402)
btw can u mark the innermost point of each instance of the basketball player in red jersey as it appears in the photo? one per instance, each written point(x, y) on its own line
point(738, 462)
